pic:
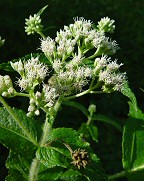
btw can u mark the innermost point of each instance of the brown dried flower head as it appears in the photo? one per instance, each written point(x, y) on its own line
point(80, 158)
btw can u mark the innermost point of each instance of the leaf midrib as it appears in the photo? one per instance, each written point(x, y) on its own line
point(15, 133)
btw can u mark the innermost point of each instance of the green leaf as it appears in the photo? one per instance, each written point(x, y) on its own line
point(94, 171)
point(88, 131)
point(14, 176)
point(83, 129)
point(60, 144)
point(42, 10)
point(133, 144)
point(19, 165)
point(50, 174)
point(12, 135)
point(69, 136)
point(133, 140)
point(134, 111)
point(93, 132)
point(105, 119)
point(71, 175)
point(78, 106)
point(51, 157)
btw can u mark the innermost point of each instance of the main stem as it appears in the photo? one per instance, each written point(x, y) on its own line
point(46, 131)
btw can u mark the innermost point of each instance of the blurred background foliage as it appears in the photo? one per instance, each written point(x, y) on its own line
point(129, 33)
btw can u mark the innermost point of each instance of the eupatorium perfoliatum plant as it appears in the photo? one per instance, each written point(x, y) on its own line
point(75, 63)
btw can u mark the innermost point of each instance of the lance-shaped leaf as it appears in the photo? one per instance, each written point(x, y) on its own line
point(133, 140)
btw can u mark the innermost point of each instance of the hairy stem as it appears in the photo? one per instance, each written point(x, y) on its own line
point(34, 170)
point(46, 131)
point(17, 120)
point(33, 174)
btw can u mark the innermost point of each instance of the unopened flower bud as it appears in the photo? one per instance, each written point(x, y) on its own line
point(92, 109)
point(33, 24)
point(5, 94)
point(7, 81)
point(1, 42)
point(37, 113)
point(5, 85)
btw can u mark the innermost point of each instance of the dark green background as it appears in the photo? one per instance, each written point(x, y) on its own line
point(129, 33)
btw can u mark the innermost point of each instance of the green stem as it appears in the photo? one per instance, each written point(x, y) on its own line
point(77, 95)
point(124, 173)
point(90, 90)
point(46, 131)
point(33, 173)
point(11, 112)
point(97, 53)
point(118, 175)
point(92, 82)
point(89, 120)
point(34, 170)
point(22, 94)
point(41, 34)
point(97, 92)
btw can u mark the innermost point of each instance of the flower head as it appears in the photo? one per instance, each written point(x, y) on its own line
point(33, 24)
point(80, 158)
point(32, 72)
point(48, 46)
point(106, 25)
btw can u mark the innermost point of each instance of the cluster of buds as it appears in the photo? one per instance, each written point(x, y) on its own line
point(33, 24)
point(6, 86)
point(33, 105)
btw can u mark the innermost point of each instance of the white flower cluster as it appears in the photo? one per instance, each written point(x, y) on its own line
point(106, 25)
point(67, 55)
point(32, 72)
point(70, 77)
point(78, 54)
point(71, 81)
point(6, 86)
point(108, 73)
point(81, 34)
point(33, 24)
